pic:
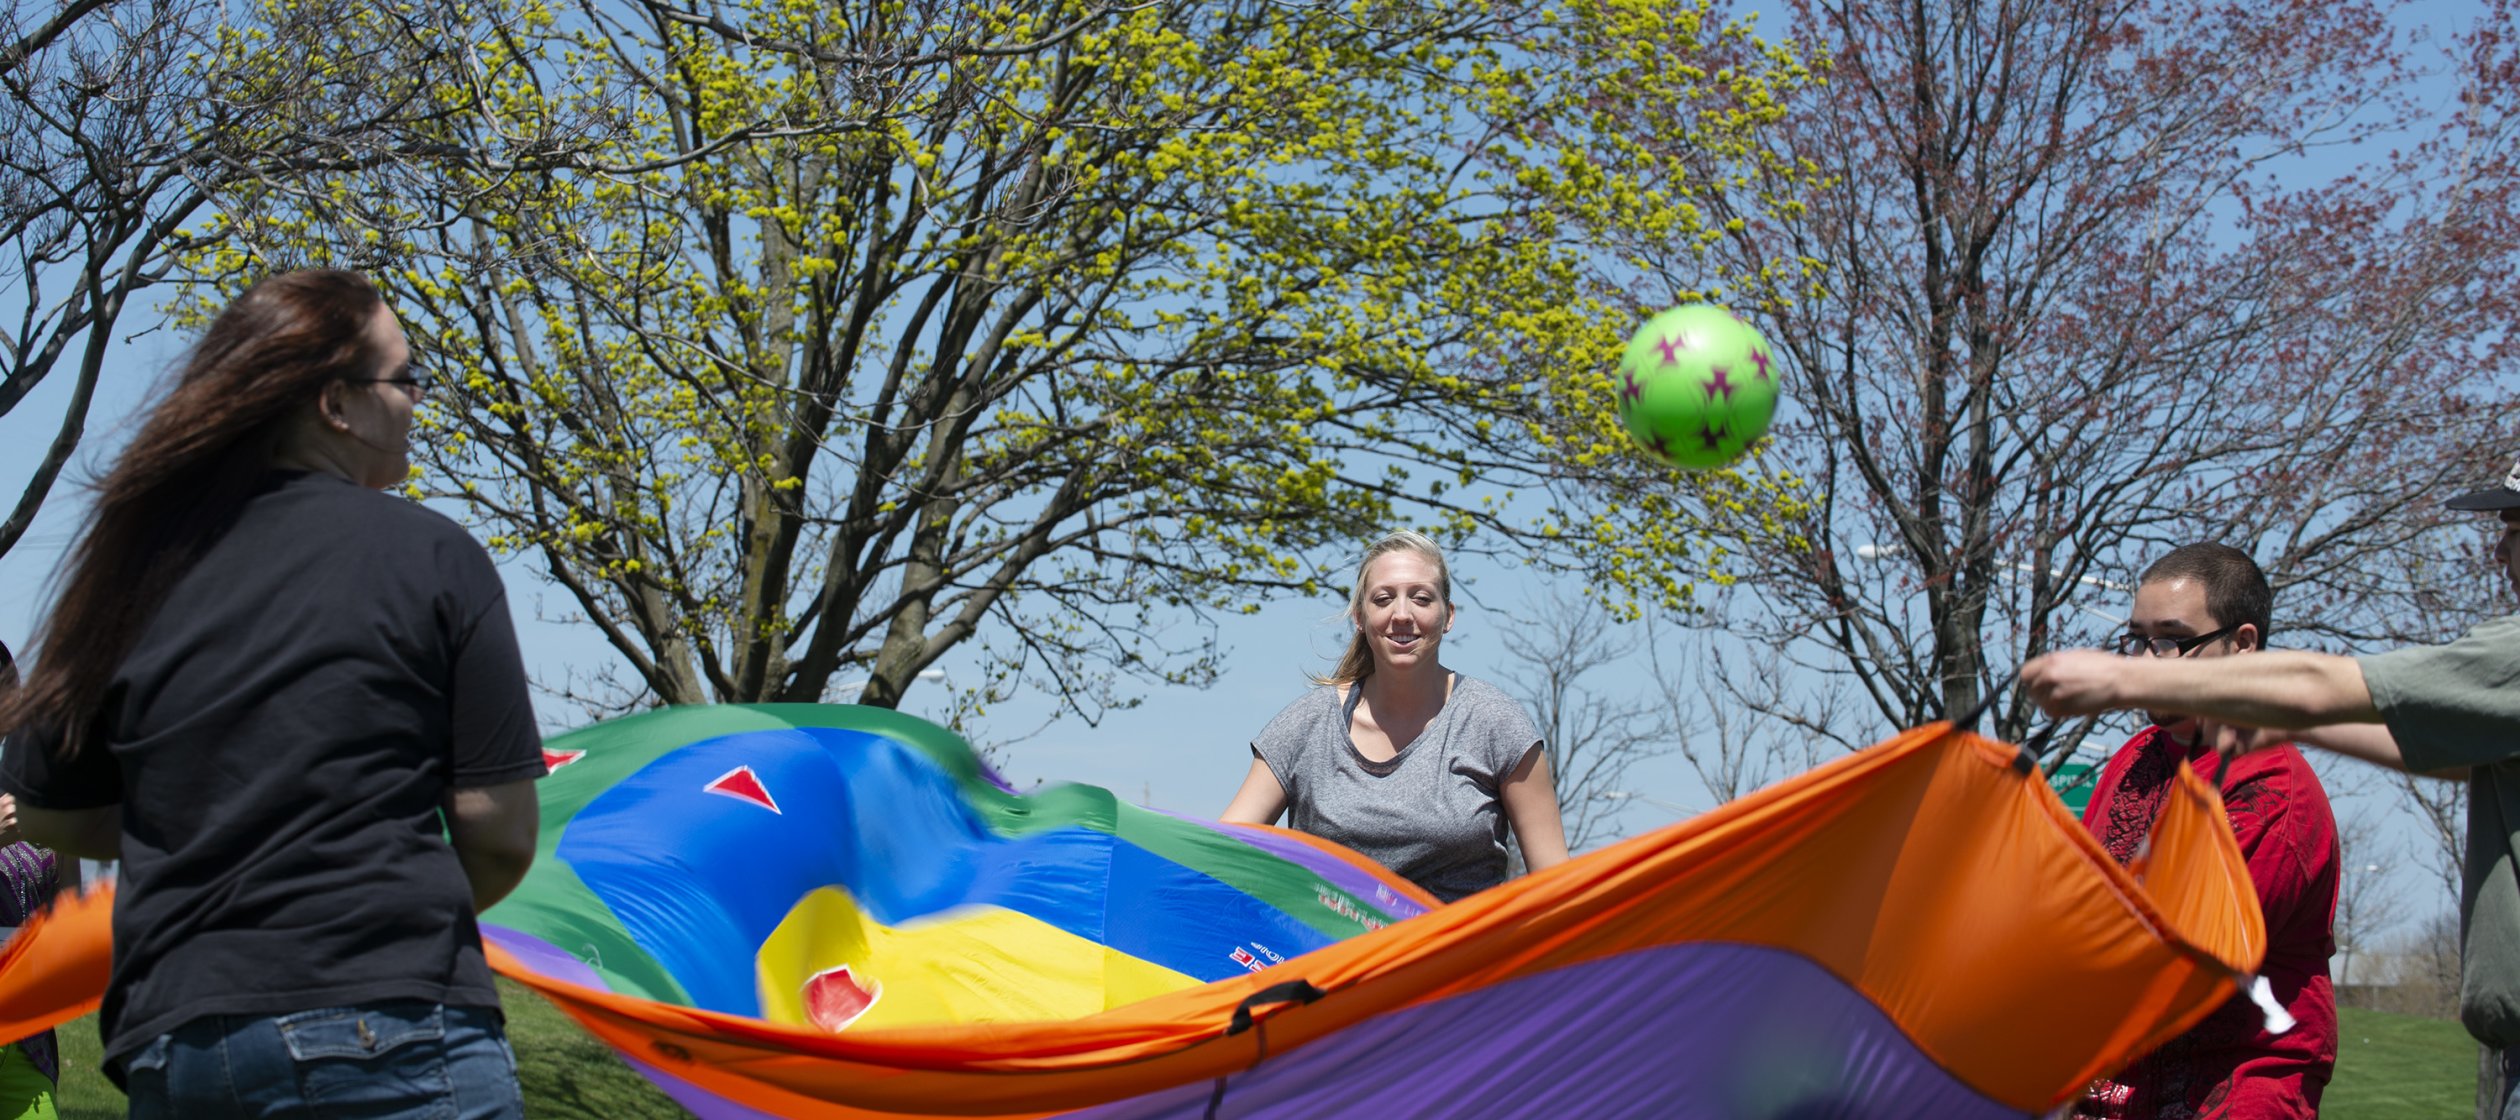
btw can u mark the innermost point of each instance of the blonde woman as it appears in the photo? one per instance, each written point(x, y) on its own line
point(1419, 768)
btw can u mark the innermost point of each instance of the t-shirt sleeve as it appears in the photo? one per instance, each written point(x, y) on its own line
point(493, 739)
point(1509, 733)
point(33, 771)
point(2452, 705)
point(1281, 743)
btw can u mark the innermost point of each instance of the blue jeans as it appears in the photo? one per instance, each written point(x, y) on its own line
point(2510, 1080)
point(395, 1060)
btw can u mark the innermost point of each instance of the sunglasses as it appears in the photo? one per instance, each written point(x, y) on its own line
point(420, 380)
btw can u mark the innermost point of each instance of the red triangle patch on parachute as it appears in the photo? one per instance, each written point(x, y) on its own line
point(741, 783)
point(554, 760)
point(834, 998)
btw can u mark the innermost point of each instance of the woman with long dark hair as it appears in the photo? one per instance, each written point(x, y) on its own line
point(293, 707)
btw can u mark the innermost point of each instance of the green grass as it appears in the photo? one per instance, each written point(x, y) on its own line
point(2389, 1067)
point(567, 1076)
point(2400, 1067)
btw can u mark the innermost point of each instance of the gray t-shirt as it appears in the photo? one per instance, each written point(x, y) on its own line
point(2459, 705)
point(1431, 813)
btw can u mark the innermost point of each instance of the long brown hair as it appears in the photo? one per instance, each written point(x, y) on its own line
point(1358, 662)
point(180, 485)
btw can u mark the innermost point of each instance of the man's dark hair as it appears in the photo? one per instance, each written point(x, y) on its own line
point(2236, 591)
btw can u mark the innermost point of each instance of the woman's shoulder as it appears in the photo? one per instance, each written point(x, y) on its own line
point(1311, 704)
point(1484, 705)
point(344, 504)
point(382, 531)
point(1303, 718)
point(1475, 693)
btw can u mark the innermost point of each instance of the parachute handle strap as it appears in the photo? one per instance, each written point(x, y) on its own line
point(2025, 760)
point(1292, 991)
point(1968, 721)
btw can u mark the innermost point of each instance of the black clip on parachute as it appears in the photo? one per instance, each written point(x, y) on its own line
point(1292, 991)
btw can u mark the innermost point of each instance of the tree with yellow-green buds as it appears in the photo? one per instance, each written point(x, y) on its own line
point(857, 332)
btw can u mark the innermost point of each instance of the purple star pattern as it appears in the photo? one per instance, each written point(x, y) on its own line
point(1631, 392)
point(1721, 386)
point(1711, 438)
point(1759, 358)
point(1671, 346)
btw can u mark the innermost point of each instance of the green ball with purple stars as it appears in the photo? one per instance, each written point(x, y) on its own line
point(1696, 386)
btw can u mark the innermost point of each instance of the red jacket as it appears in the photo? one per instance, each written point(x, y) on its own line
point(2227, 1065)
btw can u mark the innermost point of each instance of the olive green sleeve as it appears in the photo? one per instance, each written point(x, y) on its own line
point(2455, 704)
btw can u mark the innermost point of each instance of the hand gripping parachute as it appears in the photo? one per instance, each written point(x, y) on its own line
point(821, 911)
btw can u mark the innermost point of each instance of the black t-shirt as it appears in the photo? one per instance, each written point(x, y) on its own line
point(280, 739)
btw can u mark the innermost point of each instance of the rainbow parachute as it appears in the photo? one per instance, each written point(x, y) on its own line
point(817, 911)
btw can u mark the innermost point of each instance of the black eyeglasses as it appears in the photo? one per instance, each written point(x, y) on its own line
point(420, 380)
point(2137, 645)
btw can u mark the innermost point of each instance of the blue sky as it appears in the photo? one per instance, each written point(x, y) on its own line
point(1182, 749)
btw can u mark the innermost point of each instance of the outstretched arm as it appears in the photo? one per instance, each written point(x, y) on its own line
point(2280, 689)
point(2370, 742)
point(1531, 806)
point(1261, 800)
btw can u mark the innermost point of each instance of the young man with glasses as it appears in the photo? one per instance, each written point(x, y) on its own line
point(2449, 711)
point(2198, 604)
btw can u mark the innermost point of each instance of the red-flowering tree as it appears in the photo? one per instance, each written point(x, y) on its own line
point(2091, 280)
